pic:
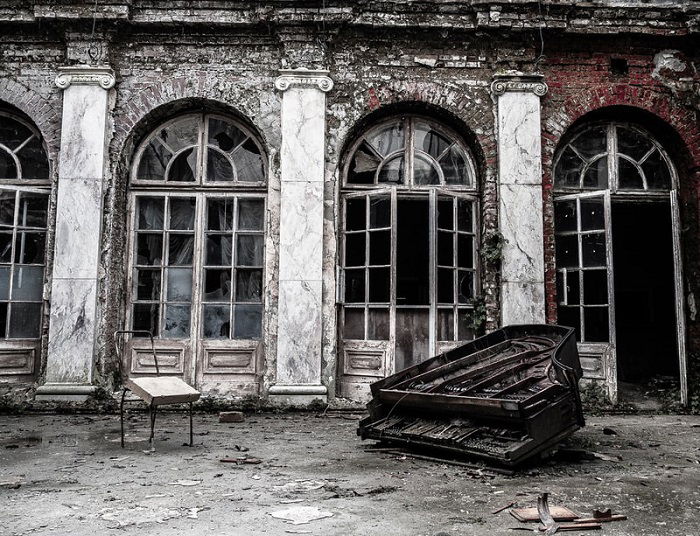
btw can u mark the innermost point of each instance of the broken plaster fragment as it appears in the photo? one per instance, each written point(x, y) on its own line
point(428, 61)
point(300, 515)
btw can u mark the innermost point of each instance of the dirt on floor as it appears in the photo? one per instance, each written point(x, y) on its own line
point(68, 475)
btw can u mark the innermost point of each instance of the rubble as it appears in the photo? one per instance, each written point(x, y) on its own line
point(504, 397)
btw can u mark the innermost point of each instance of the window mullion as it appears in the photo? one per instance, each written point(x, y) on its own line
point(234, 266)
point(613, 168)
point(409, 152)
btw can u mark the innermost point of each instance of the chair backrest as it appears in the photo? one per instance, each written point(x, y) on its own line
point(119, 336)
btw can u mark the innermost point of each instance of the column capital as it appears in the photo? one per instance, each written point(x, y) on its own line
point(524, 83)
point(85, 75)
point(303, 78)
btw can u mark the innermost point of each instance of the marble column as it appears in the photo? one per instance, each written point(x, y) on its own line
point(520, 197)
point(82, 166)
point(302, 167)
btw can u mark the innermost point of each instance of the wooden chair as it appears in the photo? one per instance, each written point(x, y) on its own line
point(155, 391)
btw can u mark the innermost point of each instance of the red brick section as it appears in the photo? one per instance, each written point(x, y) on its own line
point(574, 93)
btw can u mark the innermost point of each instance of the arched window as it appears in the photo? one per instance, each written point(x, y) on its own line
point(408, 246)
point(197, 242)
point(24, 198)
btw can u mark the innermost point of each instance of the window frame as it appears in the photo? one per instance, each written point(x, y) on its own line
point(203, 147)
point(409, 153)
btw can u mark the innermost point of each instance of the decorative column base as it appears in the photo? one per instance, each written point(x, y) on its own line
point(297, 395)
point(64, 392)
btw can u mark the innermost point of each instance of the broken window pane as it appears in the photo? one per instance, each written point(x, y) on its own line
point(424, 173)
point(565, 216)
point(445, 290)
point(355, 249)
point(363, 166)
point(596, 176)
point(379, 213)
point(445, 249)
point(571, 317)
point(248, 322)
point(216, 323)
point(180, 249)
point(465, 327)
point(182, 210)
point(251, 214)
point(30, 247)
point(148, 285)
point(217, 285)
point(657, 173)
point(566, 247)
point(629, 178)
point(392, 171)
point(632, 143)
point(454, 167)
point(7, 207)
point(249, 250)
point(150, 211)
point(593, 250)
point(27, 283)
point(12, 132)
point(595, 287)
point(181, 133)
point(8, 167)
point(567, 172)
point(426, 139)
point(354, 324)
point(592, 142)
point(465, 286)
point(445, 219)
point(225, 135)
point(446, 328)
point(378, 324)
point(379, 248)
point(356, 215)
point(184, 166)
point(595, 323)
point(379, 285)
point(177, 321)
point(249, 162)
point(248, 285)
point(32, 209)
point(220, 214)
point(147, 317)
point(154, 161)
point(219, 169)
point(219, 250)
point(355, 286)
point(6, 247)
point(5, 283)
point(179, 284)
point(149, 247)
point(592, 215)
point(388, 139)
point(25, 320)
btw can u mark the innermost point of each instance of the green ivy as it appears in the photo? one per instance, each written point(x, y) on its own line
point(492, 249)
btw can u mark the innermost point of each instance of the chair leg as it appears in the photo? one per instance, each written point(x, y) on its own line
point(121, 414)
point(152, 413)
point(191, 435)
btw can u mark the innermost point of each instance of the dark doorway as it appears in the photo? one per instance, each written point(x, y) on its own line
point(645, 317)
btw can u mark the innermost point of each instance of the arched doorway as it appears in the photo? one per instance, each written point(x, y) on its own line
point(408, 249)
point(618, 262)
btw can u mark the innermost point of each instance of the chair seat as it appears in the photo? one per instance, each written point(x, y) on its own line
point(162, 390)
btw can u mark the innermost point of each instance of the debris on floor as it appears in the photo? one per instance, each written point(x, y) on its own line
point(242, 460)
point(300, 515)
point(504, 397)
point(231, 416)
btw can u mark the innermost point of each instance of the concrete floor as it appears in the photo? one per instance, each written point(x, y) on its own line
point(68, 475)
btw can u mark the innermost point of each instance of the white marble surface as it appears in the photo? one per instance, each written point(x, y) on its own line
point(301, 231)
point(303, 134)
point(77, 228)
point(522, 303)
point(520, 208)
point(521, 225)
point(299, 333)
point(83, 132)
point(71, 331)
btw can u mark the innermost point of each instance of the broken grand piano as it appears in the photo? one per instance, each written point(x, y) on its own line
point(504, 397)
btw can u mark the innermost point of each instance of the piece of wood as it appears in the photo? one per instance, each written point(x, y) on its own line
point(162, 390)
point(575, 526)
point(559, 513)
point(231, 416)
point(614, 517)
